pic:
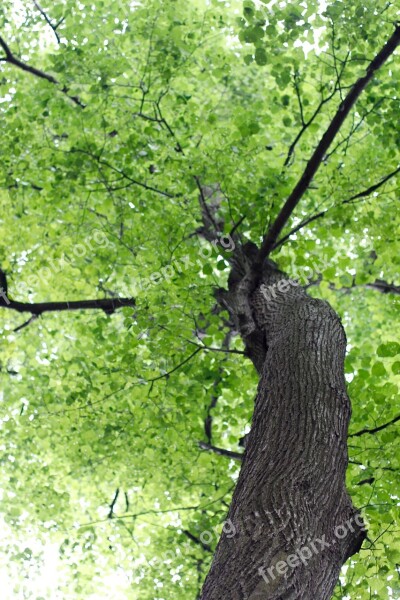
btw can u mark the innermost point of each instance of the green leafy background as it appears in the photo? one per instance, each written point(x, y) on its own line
point(93, 403)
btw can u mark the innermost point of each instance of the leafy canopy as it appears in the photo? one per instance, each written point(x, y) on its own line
point(104, 200)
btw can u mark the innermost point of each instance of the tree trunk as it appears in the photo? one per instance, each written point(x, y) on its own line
point(291, 524)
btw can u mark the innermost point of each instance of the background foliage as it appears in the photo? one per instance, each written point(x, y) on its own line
point(92, 403)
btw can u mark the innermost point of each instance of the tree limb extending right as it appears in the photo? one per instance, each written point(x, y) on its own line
point(317, 157)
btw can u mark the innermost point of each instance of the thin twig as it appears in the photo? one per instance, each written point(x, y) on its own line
point(306, 124)
point(26, 323)
point(299, 226)
point(113, 503)
point(212, 349)
point(175, 368)
point(132, 181)
point(48, 20)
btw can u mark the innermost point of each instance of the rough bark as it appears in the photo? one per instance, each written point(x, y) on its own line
point(293, 520)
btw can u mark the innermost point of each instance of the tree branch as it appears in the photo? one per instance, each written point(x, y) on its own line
point(141, 514)
point(211, 349)
point(361, 464)
point(355, 126)
point(132, 181)
point(306, 124)
point(298, 94)
point(13, 60)
point(372, 188)
point(384, 287)
point(313, 164)
point(210, 227)
point(375, 429)
point(350, 200)
point(299, 226)
point(113, 503)
point(25, 323)
point(221, 451)
point(48, 21)
point(208, 421)
point(196, 540)
point(166, 375)
point(369, 480)
point(109, 305)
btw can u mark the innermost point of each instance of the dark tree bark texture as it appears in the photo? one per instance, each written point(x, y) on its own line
point(293, 520)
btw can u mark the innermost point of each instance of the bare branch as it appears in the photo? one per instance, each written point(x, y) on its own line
point(211, 349)
point(381, 286)
point(163, 121)
point(237, 225)
point(13, 60)
point(315, 161)
point(361, 464)
point(369, 480)
point(208, 421)
point(210, 226)
point(306, 125)
point(141, 514)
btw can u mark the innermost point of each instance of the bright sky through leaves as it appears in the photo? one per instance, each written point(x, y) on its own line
point(96, 201)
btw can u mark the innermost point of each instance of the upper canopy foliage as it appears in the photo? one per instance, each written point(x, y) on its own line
point(113, 116)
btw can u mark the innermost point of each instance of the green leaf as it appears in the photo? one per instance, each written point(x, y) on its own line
point(378, 370)
point(388, 349)
point(396, 367)
point(261, 56)
point(190, 111)
point(248, 9)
